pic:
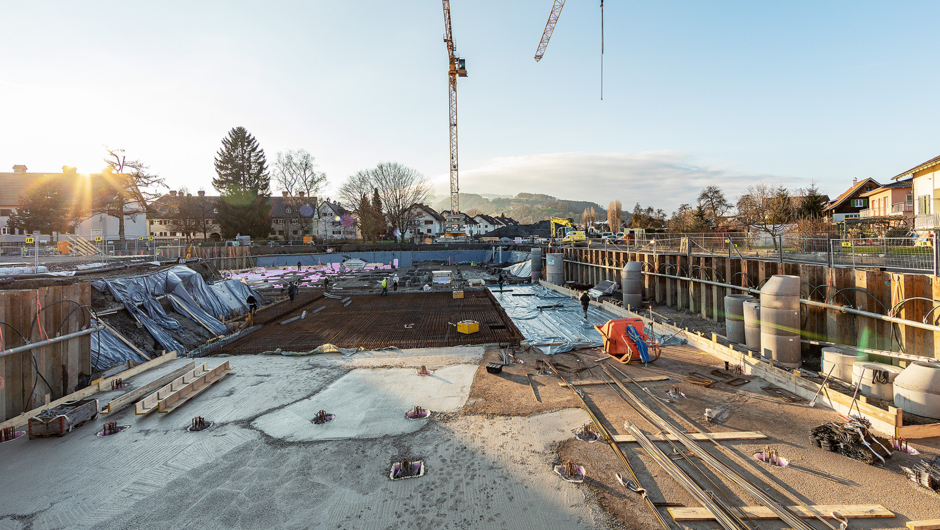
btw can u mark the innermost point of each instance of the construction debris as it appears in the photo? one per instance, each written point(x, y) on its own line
point(852, 439)
point(925, 474)
point(61, 420)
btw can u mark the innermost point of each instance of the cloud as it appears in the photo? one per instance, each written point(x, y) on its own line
point(662, 179)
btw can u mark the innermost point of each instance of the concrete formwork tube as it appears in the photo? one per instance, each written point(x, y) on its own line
point(535, 258)
point(780, 320)
point(632, 284)
point(555, 268)
point(877, 379)
point(734, 316)
point(917, 389)
point(840, 361)
point(752, 323)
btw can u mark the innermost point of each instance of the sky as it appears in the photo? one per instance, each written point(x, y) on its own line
point(725, 93)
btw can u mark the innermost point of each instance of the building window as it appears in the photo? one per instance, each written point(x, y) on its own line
point(429, 230)
point(288, 210)
point(280, 232)
point(923, 204)
point(215, 210)
point(858, 203)
point(431, 222)
point(294, 232)
point(3, 231)
point(868, 188)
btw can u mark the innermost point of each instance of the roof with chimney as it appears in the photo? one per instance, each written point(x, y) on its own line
point(166, 206)
point(849, 193)
point(430, 211)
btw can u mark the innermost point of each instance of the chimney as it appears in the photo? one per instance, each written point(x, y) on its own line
point(284, 194)
point(300, 194)
point(172, 193)
point(19, 168)
point(69, 170)
point(202, 193)
point(854, 181)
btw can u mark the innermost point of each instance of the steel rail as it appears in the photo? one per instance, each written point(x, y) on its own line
point(719, 466)
point(48, 342)
point(605, 434)
point(742, 462)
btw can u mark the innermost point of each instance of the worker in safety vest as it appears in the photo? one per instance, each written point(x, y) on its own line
point(384, 286)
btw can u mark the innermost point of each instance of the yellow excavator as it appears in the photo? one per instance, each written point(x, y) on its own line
point(566, 230)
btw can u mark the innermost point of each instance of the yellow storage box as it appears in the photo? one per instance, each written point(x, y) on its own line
point(458, 294)
point(468, 326)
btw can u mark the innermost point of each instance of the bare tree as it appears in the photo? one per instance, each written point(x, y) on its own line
point(765, 208)
point(614, 216)
point(124, 189)
point(399, 188)
point(687, 220)
point(296, 173)
point(588, 216)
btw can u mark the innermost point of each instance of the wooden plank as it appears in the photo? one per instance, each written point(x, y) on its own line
point(696, 436)
point(921, 285)
point(849, 511)
point(22, 419)
point(589, 382)
point(130, 397)
point(131, 372)
point(177, 399)
point(124, 340)
point(932, 524)
point(919, 431)
point(149, 403)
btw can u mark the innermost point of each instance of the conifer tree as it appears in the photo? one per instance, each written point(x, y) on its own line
point(244, 185)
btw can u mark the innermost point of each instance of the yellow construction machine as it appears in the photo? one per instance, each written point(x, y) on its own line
point(566, 230)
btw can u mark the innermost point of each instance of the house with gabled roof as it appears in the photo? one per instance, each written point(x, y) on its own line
point(851, 202)
point(423, 221)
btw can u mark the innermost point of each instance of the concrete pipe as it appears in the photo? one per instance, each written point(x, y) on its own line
point(840, 361)
point(734, 316)
point(555, 268)
point(780, 335)
point(917, 389)
point(780, 320)
point(632, 284)
point(877, 379)
point(535, 263)
point(781, 292)
point(752, 324)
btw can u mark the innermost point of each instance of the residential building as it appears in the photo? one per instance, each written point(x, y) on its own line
point(851, 202)
point(891, 200)
point(469, 224)
point(925, 182)
point(424, 222)
point(330, 226)
point(174, 216)
point(13, 186)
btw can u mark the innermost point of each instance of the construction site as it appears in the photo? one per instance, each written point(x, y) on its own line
point(473, 390)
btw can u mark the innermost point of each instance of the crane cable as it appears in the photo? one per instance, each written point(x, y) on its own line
point(602, 50)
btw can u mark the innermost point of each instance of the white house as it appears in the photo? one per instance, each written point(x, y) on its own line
point(330, 225)
point(926, 180)
point(424, 222)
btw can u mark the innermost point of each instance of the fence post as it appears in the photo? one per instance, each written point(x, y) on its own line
point(829, 251)
point(936, 255)
point(36, 249)
point(780, 241)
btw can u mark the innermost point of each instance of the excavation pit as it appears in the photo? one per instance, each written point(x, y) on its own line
point(406, 469)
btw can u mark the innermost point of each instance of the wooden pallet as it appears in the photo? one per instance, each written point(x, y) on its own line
point(150, 403)
point(61, 420)
point(176, 399)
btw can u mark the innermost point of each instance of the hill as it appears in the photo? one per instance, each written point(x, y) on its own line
point(527, 208)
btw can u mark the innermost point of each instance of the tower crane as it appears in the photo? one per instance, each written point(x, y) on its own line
point(457, 68)
point(550, 27)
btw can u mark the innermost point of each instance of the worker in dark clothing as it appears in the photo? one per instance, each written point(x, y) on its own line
point(298, 265)
point(500, 280)
point(326, 283)
point(395, 283)
point(585, 302)
point(292, 290)
point(252, 304)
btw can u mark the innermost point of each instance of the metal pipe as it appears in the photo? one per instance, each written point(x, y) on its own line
point(34, 345)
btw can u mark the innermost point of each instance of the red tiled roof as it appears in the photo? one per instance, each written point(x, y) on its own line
point(925, 165)
point(848, 193)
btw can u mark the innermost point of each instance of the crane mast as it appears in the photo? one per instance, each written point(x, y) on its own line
point(457, 68)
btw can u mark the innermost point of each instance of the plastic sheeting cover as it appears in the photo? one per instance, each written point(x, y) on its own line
point(108, 350)
point(522, 270)
point(550, 321)
point(406, 258)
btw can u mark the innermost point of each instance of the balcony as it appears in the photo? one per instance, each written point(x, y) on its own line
point(901, 208)
point(867, 212)
point(926, 222)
